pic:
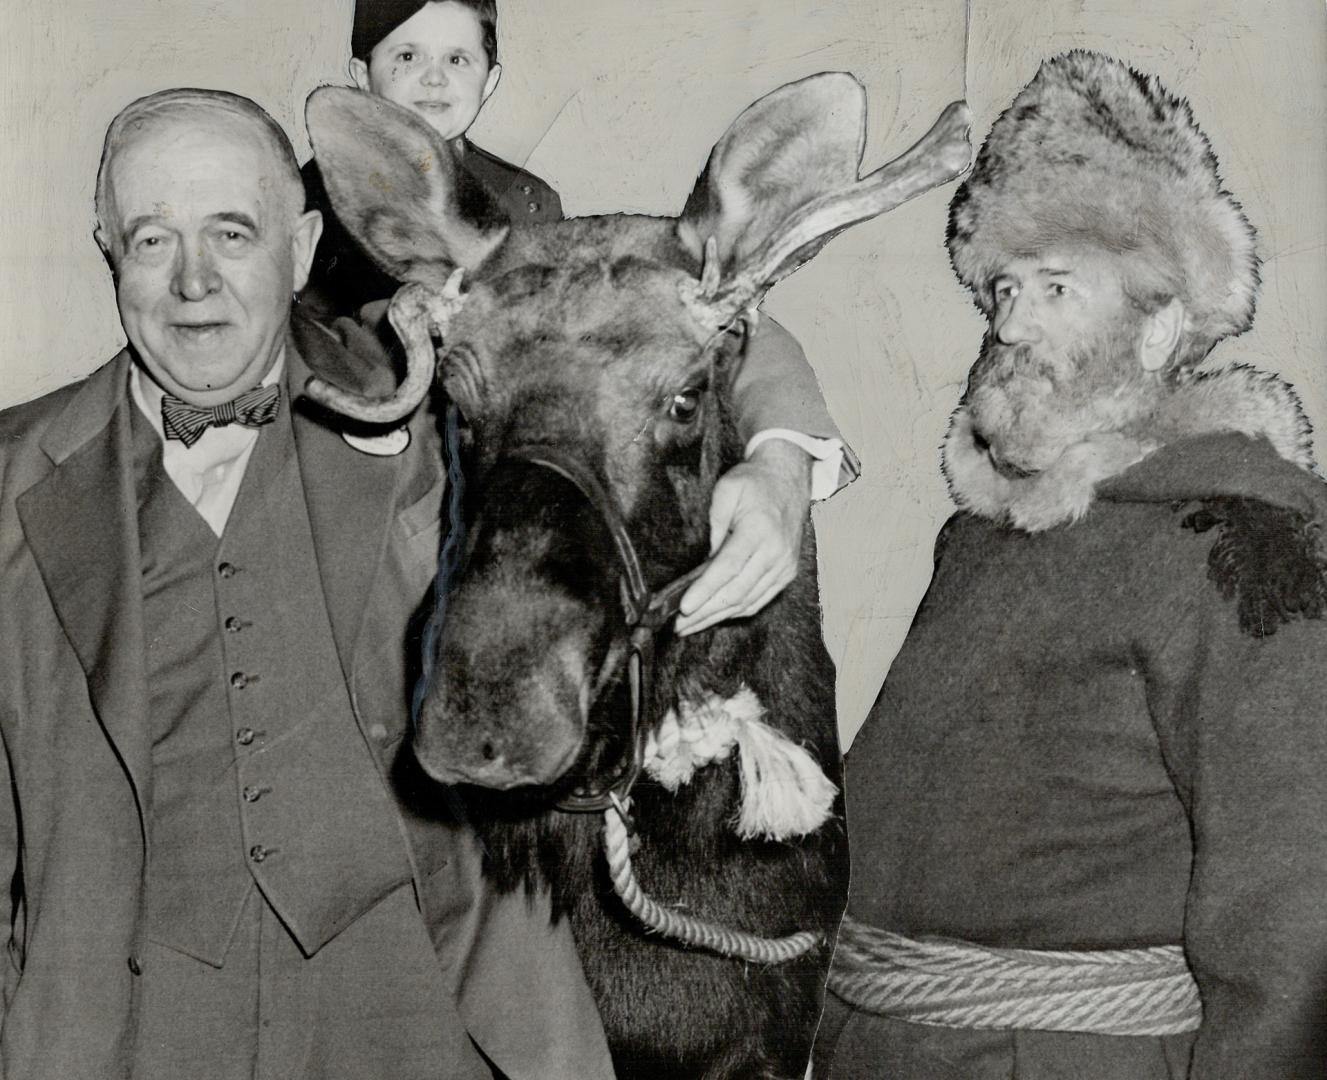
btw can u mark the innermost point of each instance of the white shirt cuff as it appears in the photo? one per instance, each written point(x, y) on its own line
point(834, 464)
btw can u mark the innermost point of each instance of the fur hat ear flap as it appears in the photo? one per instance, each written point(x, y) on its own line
point(1094, 153)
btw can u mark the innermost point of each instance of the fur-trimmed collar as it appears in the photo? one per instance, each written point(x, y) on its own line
point(1238, 399)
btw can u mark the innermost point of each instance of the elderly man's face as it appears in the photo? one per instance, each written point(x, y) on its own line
point(1062, 359)
point(434, 64)
point(207, 251)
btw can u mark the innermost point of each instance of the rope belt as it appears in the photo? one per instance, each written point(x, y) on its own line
point(957, 984)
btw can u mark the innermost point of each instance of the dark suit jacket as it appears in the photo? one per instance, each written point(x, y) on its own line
point(73, 708)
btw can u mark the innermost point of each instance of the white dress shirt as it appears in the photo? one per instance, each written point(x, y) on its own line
point(830, 467)
point(210, 472)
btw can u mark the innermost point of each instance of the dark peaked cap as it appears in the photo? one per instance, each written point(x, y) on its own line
point(375, 19)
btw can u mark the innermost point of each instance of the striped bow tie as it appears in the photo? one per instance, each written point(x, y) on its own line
point(186, 422)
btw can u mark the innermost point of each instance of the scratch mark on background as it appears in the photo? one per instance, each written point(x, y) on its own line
point(549, 127)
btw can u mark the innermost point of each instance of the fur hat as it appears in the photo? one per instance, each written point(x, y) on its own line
point(1094, 152)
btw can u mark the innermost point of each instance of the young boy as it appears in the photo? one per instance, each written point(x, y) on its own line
point(440, 60)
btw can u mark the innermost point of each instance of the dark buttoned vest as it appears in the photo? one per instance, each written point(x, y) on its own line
point(261, 775)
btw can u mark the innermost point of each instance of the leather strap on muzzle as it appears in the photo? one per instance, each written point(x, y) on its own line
point(645, 612)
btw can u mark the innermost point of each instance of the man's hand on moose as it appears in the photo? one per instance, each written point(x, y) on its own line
point(756, 518)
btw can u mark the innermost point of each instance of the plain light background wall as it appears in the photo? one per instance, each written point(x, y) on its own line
point(617, 102)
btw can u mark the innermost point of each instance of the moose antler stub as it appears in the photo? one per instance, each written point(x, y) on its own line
point(416, 313)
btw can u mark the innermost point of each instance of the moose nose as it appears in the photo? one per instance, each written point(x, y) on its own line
point(507, 702)
point(195, 275)
point(531, 736)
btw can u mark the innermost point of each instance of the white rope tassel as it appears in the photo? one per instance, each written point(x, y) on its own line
point(686, 928)
point(785, 793)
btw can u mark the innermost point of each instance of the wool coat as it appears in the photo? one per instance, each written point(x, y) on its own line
point(75, 767)
point(1109, 730)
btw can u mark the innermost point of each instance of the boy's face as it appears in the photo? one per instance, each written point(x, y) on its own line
point(433, 64)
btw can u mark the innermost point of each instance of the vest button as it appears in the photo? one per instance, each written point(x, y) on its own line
point(239, 680)
point(378, 732)
point(135, 965)
point(526, 189)
point(228, 570)
point(253, 794)
point(533, 207)
point(245, 736)
point(258, 853)
point(234, 625)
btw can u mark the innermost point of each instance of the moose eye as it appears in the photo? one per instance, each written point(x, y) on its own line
point(685, 405)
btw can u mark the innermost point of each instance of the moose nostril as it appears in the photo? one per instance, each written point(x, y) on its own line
point(488, 751)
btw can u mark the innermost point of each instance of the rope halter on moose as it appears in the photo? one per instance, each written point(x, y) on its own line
point(784, 792)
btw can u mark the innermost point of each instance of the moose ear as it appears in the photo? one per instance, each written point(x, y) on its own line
point(784, 179)
point(398, 188)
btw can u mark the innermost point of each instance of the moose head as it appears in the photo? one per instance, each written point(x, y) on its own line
point(592, 360)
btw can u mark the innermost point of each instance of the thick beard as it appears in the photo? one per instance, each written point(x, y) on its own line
point(1029, 404)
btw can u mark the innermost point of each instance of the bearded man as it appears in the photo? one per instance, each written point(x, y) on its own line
point(1087, 809)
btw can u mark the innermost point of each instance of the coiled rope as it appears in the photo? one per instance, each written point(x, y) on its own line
point(680, 926)
point(950, 983)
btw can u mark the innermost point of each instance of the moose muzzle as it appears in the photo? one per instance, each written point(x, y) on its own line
point(524, 658)
point(523, 637)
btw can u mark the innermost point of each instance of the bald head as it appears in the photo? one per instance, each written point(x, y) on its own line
point(201, 112)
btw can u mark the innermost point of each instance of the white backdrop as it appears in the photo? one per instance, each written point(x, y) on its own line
point(617, 102)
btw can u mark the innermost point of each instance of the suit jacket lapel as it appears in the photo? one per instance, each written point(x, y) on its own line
point(350, 495)
point(81, 526)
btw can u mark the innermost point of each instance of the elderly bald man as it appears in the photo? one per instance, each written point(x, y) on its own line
point(221, 866)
